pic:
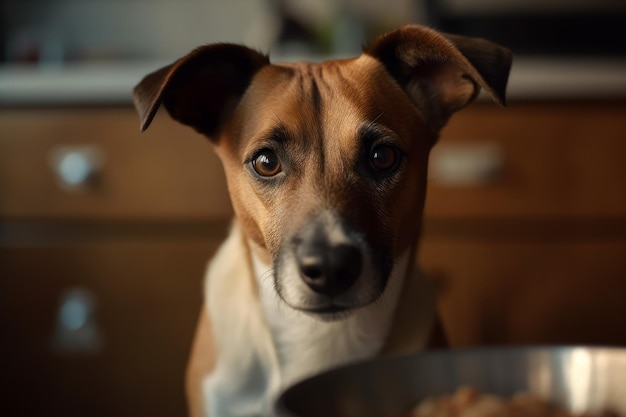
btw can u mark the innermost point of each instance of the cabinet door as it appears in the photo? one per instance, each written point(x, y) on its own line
point(144, 295)
point(507, 291)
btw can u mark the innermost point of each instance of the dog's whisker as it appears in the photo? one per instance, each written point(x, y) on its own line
point(267, 275)
point(378, 117)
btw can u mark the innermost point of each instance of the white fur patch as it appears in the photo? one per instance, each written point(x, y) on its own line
point(247, 366)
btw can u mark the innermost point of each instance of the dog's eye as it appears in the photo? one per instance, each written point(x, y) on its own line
point(266, 163)
point(384, 158)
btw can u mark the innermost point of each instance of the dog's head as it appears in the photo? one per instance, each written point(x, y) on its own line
point(326, 163)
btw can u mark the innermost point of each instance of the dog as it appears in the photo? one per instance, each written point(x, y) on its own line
point(326, 165)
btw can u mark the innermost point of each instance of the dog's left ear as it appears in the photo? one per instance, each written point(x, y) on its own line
point(201, 89)
point(442, 73)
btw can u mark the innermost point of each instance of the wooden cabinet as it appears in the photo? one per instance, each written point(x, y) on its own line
point(525, 232)
point(129, 243)
point(528, 240)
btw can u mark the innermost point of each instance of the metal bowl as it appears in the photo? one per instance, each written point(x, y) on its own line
point(579, 379)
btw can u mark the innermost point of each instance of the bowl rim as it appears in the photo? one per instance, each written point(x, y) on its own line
point(552, 351)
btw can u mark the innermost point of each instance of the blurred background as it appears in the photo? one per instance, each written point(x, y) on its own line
point(105, 233)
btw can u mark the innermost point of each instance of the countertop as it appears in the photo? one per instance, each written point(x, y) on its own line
point(112, 83)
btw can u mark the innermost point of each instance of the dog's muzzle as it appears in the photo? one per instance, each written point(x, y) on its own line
point(329, 268)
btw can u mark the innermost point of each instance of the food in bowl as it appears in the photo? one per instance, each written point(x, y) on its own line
point(470, 402)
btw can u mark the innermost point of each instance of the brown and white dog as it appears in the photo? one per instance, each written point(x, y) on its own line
point(326, 167)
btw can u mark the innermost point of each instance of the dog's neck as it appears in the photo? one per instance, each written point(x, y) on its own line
point(306, 345)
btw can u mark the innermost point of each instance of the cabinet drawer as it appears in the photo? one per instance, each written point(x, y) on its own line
point(167, 172)
point(530, 160)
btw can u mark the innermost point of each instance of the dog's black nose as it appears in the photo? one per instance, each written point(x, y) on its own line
point(329, 270)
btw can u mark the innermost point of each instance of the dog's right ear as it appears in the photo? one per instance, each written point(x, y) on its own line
point(201, 89)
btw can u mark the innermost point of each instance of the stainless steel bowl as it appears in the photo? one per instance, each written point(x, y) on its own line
point(580, 379)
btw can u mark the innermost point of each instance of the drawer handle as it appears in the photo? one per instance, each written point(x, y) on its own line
point(76, 167)
point(466, 164)
point(77, 330)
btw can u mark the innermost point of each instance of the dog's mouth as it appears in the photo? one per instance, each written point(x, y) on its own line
point(327, 312)
point(330, 308)
point(326, 307)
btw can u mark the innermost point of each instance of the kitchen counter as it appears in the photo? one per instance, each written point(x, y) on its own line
point(107, 84)
point(91, 84)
